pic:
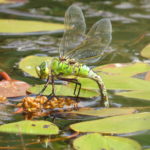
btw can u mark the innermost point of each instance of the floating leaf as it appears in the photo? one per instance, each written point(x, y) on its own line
point(6, 1)
point(116, 82)
point(30, 127)
point(11, 1)
point(124, 69)
point(111, 81)
point(116, 125)
point(146, 51)
point(144, 95)
point(96, 141)
point(105, 112)
point(22, 26)
point(15, 88)
point(63, 90)
point(29, 63)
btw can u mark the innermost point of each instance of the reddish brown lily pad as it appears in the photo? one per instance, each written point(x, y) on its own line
point(10, 87)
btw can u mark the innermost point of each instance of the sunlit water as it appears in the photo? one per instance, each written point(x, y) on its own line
point(131, 32)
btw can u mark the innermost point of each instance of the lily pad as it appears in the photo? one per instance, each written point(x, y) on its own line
point(11, 1)
point(116, 82)
point(22, 26)
point(7, 1)
point(146, 51)
point(124, 69)
point(96, 141)
point(30, 127)
point(111, 81)
point(63, 90)
point(15, 87)
point(106, 112)
point(29, 63)
point(143, 95)
point(125, 83)
point(116, 125)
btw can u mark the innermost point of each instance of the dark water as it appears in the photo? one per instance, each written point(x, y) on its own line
point(131, 32)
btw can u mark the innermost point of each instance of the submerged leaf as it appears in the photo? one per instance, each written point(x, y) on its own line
point(22, 26)
point(30, 127)
point(96, 141)
point(116, 125)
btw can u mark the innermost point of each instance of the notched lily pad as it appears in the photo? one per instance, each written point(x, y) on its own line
point(146, 51)
point(116, 125)
point(30, 127)
point(106, 112)
point(96, 141)
point(29, 63)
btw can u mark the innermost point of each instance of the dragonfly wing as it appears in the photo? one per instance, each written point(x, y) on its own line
point(97, 40)
point(75, 28)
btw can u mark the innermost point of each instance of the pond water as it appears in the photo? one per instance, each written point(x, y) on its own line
point(131, 33)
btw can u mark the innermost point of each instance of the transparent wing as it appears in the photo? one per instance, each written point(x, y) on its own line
point(75, 28)
point(96, 41)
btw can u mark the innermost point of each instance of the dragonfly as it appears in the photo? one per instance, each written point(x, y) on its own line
point(76, 50)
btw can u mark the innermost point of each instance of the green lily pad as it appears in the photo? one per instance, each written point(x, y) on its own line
point(146, 51)
point(106, 112)
point(143, 95)
point(124, 69)
point(63, 90)
point(125, 83)
point(111, 81)
point(30, 127)
point(96, 141)
point(116, 125)
point(22, 26)
point(11, 1)
point(116, 83)
point(29, 63)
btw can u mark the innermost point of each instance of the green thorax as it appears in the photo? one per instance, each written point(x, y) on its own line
point(69, 67)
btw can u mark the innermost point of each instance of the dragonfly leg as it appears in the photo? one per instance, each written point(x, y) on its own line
point(75, 88)
point(53, 85)
point(77, 83)
point(45, 86)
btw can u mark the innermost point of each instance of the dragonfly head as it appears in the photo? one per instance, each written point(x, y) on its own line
point(43, 70)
